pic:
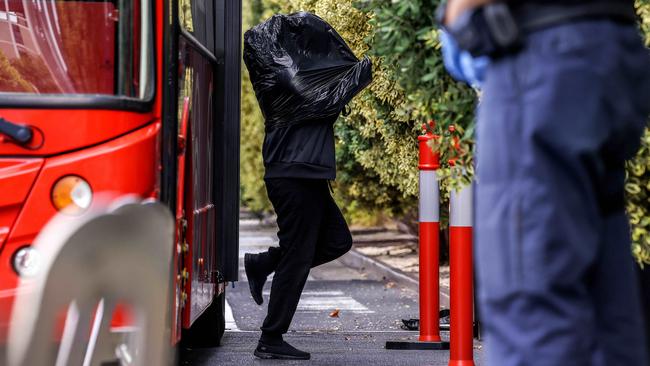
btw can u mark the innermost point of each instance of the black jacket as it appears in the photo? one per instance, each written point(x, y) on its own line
point(304, 150)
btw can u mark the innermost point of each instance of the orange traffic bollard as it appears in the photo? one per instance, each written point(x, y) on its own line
point(461, 292)
point(429, 226)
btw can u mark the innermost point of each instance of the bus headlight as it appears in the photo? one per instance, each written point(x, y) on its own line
point(72, 195)
point(27, 262)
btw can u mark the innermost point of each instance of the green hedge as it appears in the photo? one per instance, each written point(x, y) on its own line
point(376, 143)
point(253, 193)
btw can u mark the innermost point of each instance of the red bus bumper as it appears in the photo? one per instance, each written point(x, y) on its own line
point(128, 164)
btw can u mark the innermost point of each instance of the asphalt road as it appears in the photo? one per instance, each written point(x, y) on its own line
point(369, 313)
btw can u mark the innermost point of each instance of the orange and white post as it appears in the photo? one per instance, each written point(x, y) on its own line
point(461, 278)
point(429, 227)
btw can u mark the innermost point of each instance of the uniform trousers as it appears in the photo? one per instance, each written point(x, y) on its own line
point(557, 120)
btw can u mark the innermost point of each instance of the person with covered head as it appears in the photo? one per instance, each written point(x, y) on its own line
point(303, 75)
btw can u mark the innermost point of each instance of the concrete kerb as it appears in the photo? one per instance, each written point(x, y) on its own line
point(360, 262)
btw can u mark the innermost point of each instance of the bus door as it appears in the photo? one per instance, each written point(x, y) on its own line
point(201, 143)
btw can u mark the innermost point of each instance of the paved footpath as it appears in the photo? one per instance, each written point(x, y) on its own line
point(369, 313)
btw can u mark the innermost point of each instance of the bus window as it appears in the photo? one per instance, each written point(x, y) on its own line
point(76, 47)
point(197, 18)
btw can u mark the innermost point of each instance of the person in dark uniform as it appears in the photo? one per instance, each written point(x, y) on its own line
point(561, 110)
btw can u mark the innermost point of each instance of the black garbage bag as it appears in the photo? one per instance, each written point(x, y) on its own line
point(301, 69)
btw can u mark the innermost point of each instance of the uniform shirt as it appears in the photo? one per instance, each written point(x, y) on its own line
point(567, 2)
point(516, 4)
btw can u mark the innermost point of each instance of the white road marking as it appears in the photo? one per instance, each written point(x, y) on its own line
point(250, 222)
point(315, 293)
point(256, 241)
point(318, 301)
point(322, 331)
point(231, 325)
point(343, 303)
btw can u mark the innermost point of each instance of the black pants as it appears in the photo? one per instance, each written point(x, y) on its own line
point(312, 231)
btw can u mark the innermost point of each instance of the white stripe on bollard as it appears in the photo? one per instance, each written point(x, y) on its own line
point(429, 196)
point(460, 214)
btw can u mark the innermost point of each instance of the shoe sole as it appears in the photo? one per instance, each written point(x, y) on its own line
point(277, 356)
point(250, 283)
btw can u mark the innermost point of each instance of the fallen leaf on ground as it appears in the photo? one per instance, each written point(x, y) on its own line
point(335, 313)
point(390, 284)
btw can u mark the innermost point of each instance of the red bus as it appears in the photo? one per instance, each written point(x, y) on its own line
point(129, 97)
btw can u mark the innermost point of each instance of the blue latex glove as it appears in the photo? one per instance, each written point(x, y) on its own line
point(460, 64)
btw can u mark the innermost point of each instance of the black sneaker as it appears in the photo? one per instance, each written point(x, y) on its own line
point(285, 351)
point(256, 278)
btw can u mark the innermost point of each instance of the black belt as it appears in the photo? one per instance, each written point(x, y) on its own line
point(499, 28)
point(531, 17)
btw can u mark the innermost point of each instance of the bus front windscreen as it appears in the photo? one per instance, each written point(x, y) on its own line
point(52, 47)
